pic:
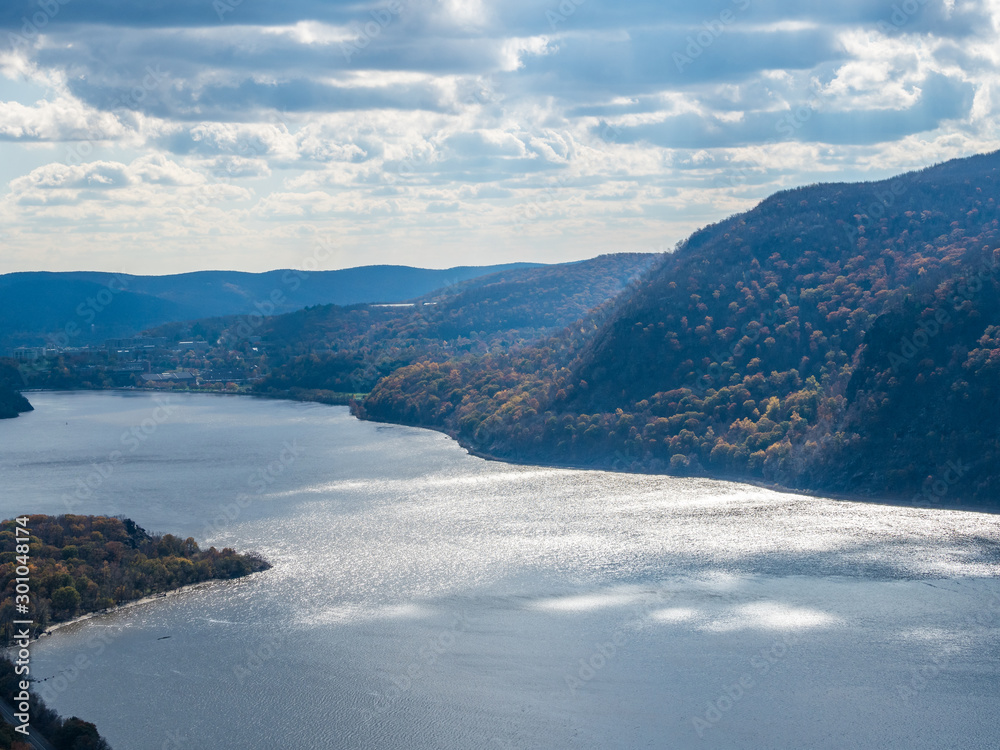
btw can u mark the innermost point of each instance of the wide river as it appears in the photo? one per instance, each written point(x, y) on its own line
point(424, 598)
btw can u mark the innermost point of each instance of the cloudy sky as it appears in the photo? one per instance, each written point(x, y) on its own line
point(156, 137)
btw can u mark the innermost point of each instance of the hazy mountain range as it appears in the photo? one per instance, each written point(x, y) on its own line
point(74, 308)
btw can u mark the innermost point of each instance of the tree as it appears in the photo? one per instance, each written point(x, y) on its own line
point(77, 734)
point(66, 600)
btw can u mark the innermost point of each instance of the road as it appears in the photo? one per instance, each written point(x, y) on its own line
point(33, 739)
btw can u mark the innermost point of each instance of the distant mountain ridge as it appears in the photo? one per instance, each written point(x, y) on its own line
point(349, 349)
point(78, 307)
point(335, 352)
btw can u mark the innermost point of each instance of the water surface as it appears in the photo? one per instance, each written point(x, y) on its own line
point(425, 598)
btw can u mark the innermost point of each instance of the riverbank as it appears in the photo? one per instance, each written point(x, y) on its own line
point(352, 401)
point(13, 404)
point(902, 501)
point(82, 564)
point(318, 396)
point(111, 610)
point(128, 605)
point(488, 585)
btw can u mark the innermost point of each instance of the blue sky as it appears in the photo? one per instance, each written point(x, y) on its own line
point(150, 137)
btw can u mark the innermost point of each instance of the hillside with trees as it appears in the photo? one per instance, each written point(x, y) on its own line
point(333, 352)
point(839, 337)
point(63, 734)
point(347, 350)
point(12, 403)
point(82, 564)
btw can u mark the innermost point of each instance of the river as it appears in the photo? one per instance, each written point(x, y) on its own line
point(425, 598)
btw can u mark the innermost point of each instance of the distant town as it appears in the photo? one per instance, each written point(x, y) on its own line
point(142, 361)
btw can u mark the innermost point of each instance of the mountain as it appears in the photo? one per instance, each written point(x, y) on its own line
point(334, 352)
point(348, 349)
point(73, 308)
point(838, 337)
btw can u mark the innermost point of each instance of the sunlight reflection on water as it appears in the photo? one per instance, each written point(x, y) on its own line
point(424, 598)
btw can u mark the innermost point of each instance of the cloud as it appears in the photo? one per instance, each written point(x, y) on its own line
point(54, 14)
point(235, 166)
point(938, 99)
point(147, 181)
point(541, 129)
point(647, 61)
point(59, 120)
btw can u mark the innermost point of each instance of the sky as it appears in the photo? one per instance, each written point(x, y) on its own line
point(151, 137)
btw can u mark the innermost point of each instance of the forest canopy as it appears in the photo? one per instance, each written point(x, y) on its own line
point(840, 338)
point(82, 564)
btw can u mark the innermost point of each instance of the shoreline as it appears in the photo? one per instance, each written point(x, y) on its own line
point(124, 605)
point(899, 502)
point(52, 628)
point(271, 396)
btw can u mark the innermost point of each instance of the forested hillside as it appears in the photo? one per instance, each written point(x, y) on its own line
point(63, 734)
point(81, 564)
point(837, 337)
point(349, 349)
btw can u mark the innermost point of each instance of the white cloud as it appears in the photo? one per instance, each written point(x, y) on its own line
point(466, 121)
point(514, 51)
point(63, 119)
